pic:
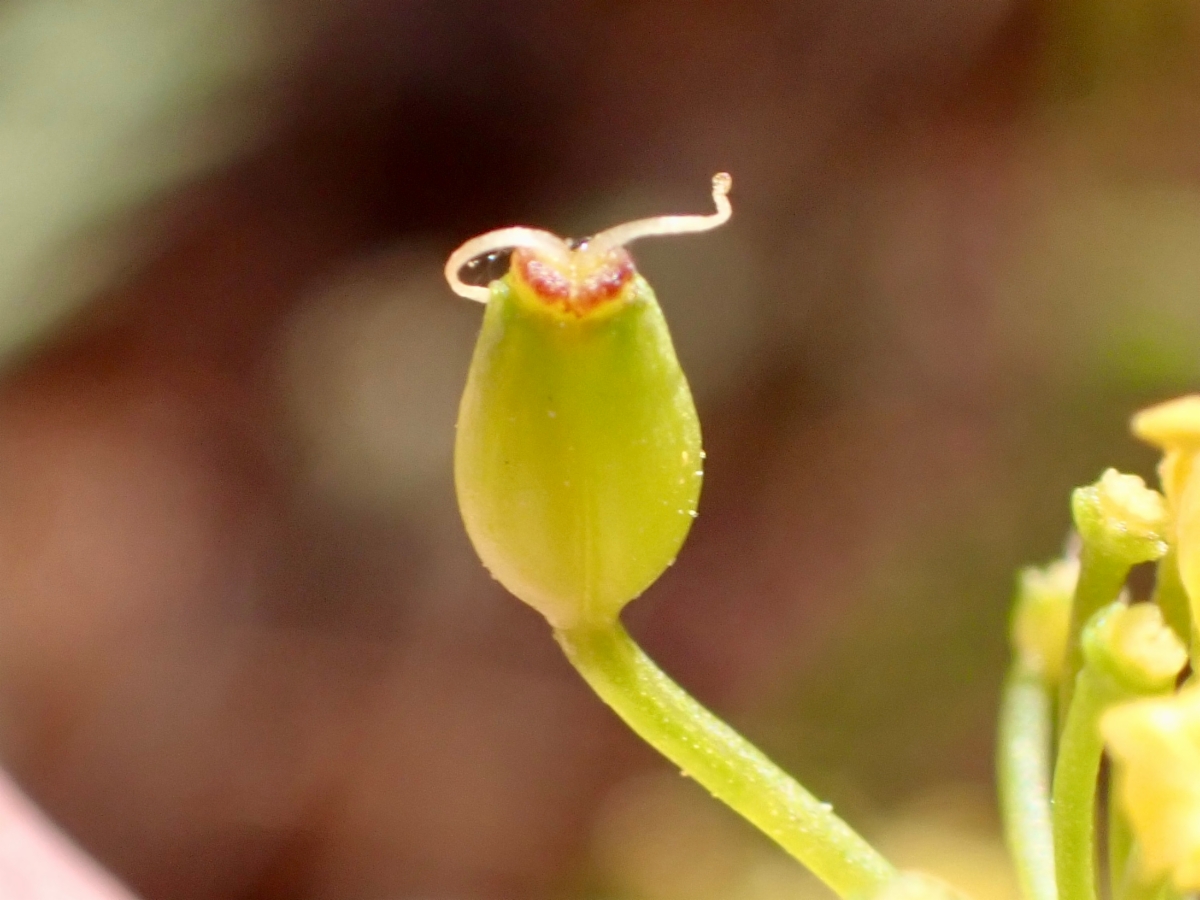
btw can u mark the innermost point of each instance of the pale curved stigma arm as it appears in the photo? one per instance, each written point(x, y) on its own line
point(619, 235)
point(501, 239)
point(554, 247)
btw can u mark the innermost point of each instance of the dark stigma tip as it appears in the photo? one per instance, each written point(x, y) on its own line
point(483, 270)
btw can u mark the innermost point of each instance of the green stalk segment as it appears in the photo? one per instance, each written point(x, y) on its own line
point(1075, 788)
point(1129, 652)
point(724, 762)
point(1024, 766)
point(1101, 579)
point(1171, 596)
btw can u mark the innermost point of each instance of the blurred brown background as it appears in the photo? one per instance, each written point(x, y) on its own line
point(246, 651)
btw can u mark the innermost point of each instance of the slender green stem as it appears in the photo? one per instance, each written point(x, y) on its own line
point(1023, 765)
point(1101, 578)
point(724, 762)
point(1074, 792)
point(1172, 598)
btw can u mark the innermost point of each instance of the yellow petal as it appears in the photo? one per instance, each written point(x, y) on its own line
point(1187, 539)
point(1156, 747)
point(1174, 424)
point(1173, 472)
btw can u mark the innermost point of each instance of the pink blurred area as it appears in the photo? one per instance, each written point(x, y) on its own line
point(246, 651)
point(37, 862)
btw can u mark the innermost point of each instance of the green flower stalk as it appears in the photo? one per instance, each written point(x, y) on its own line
point(1041, 618)
point(730, 767)
point(1023, 768)
point(1121, 523)
point(1128, 652)
point(1171, 597)
point(578, 470)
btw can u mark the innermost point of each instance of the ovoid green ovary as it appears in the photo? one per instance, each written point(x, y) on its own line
point(578, 461)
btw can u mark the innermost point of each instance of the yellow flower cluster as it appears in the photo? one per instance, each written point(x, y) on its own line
point(1155, 743)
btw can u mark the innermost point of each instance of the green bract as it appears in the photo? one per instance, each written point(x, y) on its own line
point(578, 459)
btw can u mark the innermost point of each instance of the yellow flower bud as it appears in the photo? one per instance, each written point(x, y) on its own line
point(1134, 647)
point(577, 461)
point(1042, 617)
point(1122, 517)
point(1155, 746)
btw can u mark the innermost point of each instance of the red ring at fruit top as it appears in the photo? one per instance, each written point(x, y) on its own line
point(577, 284)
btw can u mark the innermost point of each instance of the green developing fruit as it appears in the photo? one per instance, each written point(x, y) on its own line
point(578, 459)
